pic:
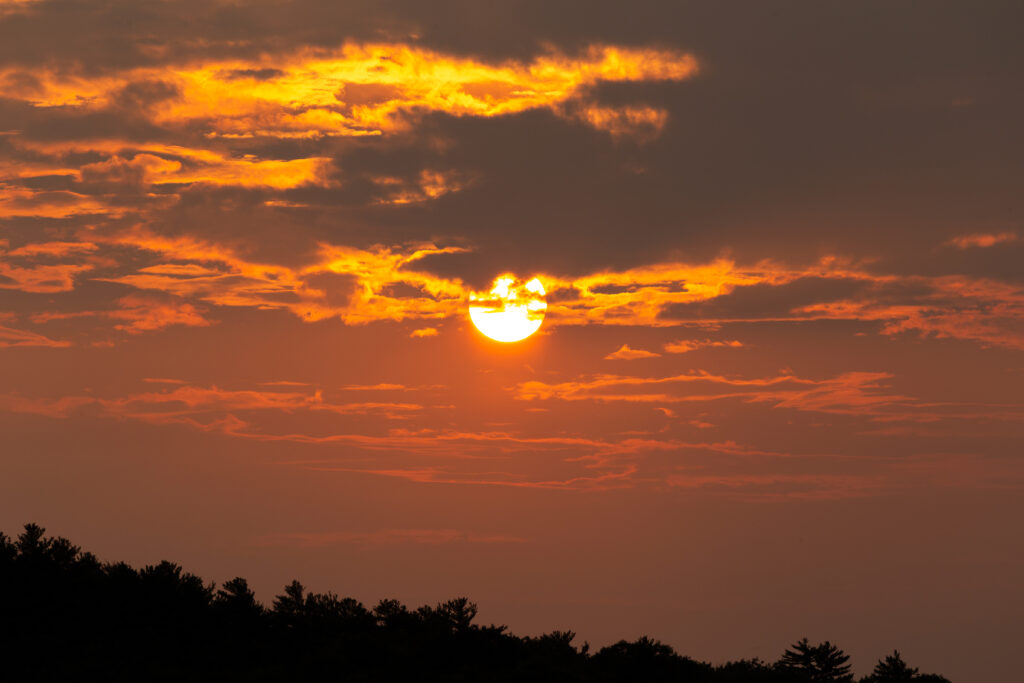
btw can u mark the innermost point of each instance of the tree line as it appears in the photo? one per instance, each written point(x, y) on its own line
point(64, 615)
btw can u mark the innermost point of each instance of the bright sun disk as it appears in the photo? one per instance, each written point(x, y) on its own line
point(511, 311)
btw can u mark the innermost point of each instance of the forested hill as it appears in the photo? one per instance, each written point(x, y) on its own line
point(64, 615)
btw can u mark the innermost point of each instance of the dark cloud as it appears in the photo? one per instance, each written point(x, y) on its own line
point(257, 74)
point(812, 128)
point(50, 182)
point(145, 93)
point(766, 301)
point(337, 288)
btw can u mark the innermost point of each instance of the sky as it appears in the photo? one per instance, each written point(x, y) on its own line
point(777, 388)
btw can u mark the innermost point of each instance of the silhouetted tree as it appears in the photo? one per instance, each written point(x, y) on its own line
point(892, 669)
point(458, 613)
point(645, 660)
point(388, 612)
point(822, 663)
point(290, 608)
point(64, 615)
point(749, 671)
point(236, 600)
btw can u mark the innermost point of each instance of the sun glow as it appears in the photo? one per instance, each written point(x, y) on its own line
point(511, 311)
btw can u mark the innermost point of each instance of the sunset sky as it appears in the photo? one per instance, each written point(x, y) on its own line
point(777, 391)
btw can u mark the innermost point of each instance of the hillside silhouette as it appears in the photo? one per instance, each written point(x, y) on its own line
point(64, 615)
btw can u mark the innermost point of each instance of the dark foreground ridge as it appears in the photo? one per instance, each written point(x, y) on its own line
point(64, 615)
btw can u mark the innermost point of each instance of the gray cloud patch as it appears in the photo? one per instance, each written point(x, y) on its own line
point(767, 301)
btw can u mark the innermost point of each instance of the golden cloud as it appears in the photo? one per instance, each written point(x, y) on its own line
point(363, 89)
point(687, 345)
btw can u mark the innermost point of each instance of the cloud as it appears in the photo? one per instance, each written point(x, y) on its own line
point(46, 267)
point(145, 314)
point(643, 123)
point(207, 408)
point(361, 286)
point(52, 249)
point(592, 460)
point(626, 353)
point(982, 240)
point(170, 165)
point(360, 89)
point(981, 310)
point(11, 337)
point(429, 184)
point(849, 393)
point(376, 387)
point(138, 313)
point(8, 7)
point(687, 345)
point(766, 299)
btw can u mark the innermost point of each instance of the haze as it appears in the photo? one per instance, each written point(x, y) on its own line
point(777, 390)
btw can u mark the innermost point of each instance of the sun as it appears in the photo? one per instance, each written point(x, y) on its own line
point(511, 311)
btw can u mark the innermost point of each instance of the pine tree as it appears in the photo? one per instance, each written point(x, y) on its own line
point(821, 663)
point(892, 669)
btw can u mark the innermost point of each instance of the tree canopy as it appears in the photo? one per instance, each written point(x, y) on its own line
point(64, 614)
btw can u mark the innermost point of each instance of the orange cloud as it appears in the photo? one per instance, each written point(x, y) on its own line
point(11, 337)
point(511, 459)
point(19, 201)
point(355, 90)
point(16, 6)
point(140, 314)
point(429, 185)
point(218, 275)
point(181, 165)
point(626, 353)
point(863, 394)
point(851, 393)
point(144, 314)
point(29, 268)
point(985, 311)
point(203, 407)
point(44, 279)
point(363, 89)
point(384, 283)
point(687, 345)
point(643, 123)
point(982, 240)
point(53, 249)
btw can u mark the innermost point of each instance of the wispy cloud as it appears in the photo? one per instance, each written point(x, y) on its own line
point(11, 337)
point(687, 345)
point(982, 240)
point(624, 352)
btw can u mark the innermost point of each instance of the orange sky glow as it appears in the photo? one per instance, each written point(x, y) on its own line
point(776, 391)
